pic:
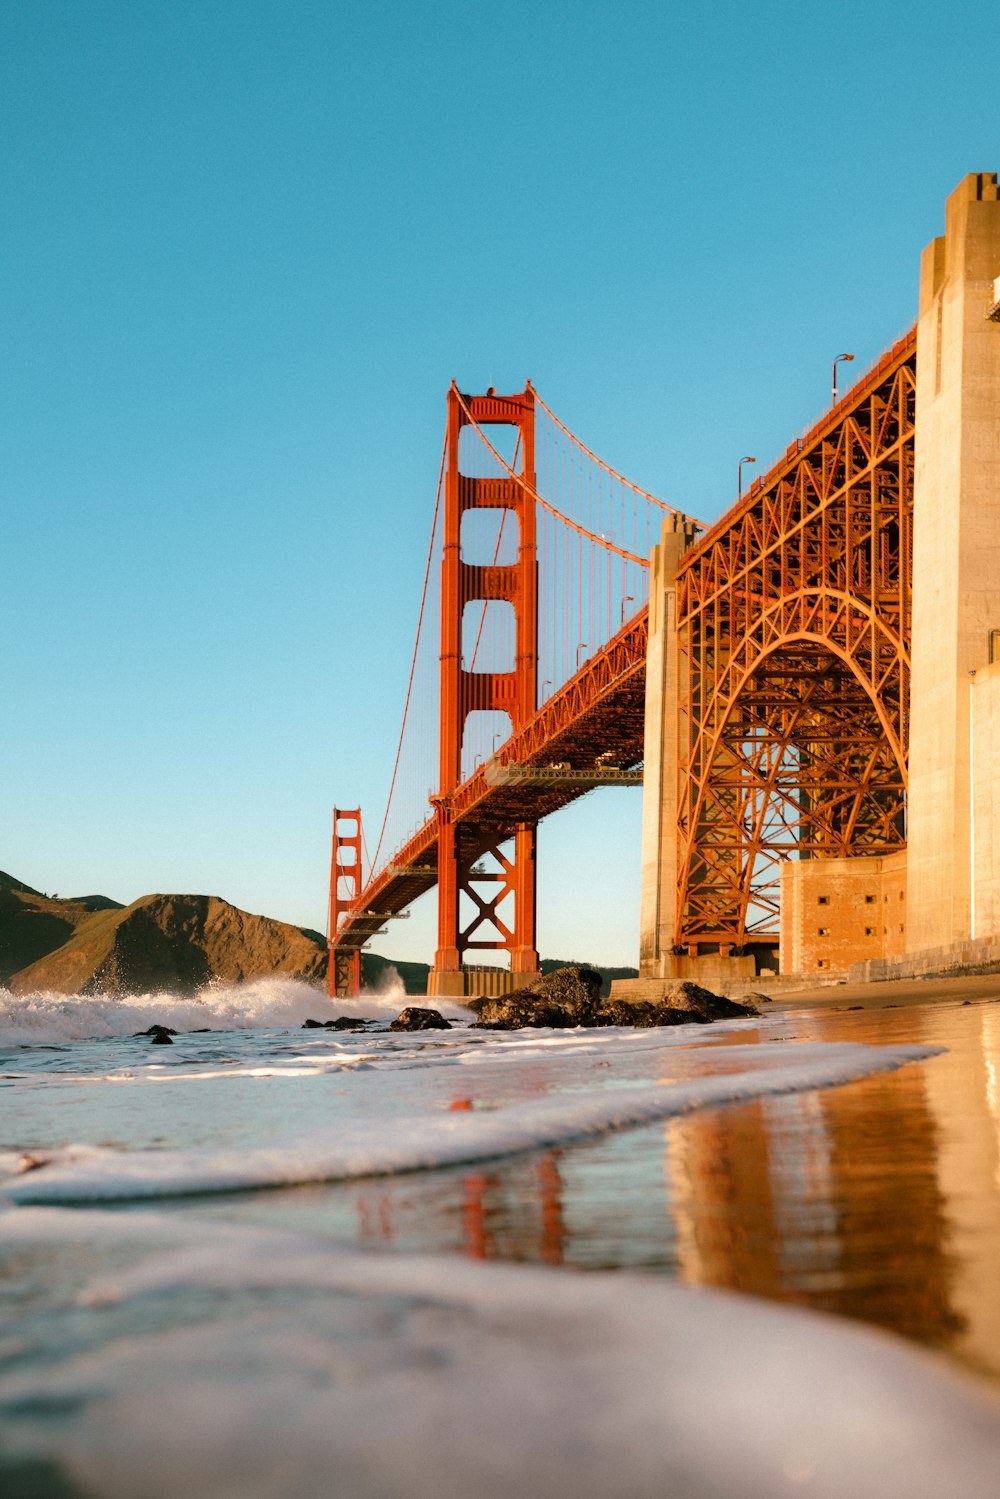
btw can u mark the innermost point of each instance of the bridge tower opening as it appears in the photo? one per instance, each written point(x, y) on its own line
point(486, 873)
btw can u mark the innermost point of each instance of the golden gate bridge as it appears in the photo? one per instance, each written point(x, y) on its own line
point(527, 683)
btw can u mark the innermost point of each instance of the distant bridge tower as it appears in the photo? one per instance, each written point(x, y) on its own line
point(474, 877)
point(344, 970)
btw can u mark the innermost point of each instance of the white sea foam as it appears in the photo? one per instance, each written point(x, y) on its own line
point(240, 1363)
point(271, 1003)
point(384, 1146)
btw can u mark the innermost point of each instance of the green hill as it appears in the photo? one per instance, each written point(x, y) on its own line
point(89, 944)
point(92, 944)
point(32, 925)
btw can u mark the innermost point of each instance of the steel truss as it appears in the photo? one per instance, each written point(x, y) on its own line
point(599, 710)
point(793, 640)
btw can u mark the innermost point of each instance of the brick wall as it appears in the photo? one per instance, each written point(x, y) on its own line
point(836, 913)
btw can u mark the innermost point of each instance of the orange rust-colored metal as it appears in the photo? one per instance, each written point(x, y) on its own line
point(464, 690)
point(343, 977)
point(793, 617)
point(793, 632)
point(601, 706)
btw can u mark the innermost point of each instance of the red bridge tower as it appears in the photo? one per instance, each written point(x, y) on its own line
point(470, 861)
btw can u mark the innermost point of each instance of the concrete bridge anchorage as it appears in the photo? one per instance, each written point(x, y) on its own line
point(822, 758)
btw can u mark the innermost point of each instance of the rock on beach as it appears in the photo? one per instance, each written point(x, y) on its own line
point(572, 997)
point(341, 1023)
point(415, 1018)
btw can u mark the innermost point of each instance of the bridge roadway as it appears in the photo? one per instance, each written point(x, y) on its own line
point(593, 725)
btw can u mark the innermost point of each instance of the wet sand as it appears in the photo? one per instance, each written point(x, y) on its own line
point(884, 1205)
point(895, 992)
point(877, 1200)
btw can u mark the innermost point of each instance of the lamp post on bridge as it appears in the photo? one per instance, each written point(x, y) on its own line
point(841, 358)
point(739, 474)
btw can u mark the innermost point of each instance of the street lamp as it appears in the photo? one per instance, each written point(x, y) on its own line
point(739, 473)
point(845, 358)
point(628, 599)
point(581, 647)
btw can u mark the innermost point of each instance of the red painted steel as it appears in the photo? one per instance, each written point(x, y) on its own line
point(793, 618)
point(465, 690)
point(601, 706)
point(344, 966)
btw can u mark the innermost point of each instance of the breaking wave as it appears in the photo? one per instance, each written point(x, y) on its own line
point(235, 1361)
point(256, 1004)
point(78, 1174)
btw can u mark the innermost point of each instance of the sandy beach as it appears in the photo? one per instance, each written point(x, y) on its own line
point(881, 1200)
point(264, 1254)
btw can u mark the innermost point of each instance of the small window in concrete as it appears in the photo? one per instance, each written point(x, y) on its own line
point(821, 963)
point(824, 900)
point(900, 926)
point(901, 895)
point(869, 931)
point(869, 900)
point(824, 931)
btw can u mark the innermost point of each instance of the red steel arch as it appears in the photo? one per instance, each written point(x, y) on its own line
point(793, 619)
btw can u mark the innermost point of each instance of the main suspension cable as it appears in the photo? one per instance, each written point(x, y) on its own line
point(413, 664)
point(533, 494)
point(607, 467)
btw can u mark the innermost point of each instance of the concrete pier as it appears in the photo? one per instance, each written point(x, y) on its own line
point(658, 911)
point(956, 556)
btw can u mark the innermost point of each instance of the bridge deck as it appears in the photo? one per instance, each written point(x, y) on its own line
point(595, 721)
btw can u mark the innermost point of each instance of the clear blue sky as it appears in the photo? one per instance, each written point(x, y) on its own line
point(245, 247)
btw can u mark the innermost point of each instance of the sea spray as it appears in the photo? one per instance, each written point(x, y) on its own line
point(255, 1004)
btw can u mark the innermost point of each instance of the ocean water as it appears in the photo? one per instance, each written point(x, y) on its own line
point(274, 1261)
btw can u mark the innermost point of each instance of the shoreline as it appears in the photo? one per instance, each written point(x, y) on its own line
point(884, 993)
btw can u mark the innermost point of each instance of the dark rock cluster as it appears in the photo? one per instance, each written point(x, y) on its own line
point(160, 1035)
point(413, 1018)
point(572, 997)
point(341, 1023)
point(567, 998)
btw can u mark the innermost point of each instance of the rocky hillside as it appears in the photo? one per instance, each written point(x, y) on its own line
point(32, 925)
point(91, 944)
